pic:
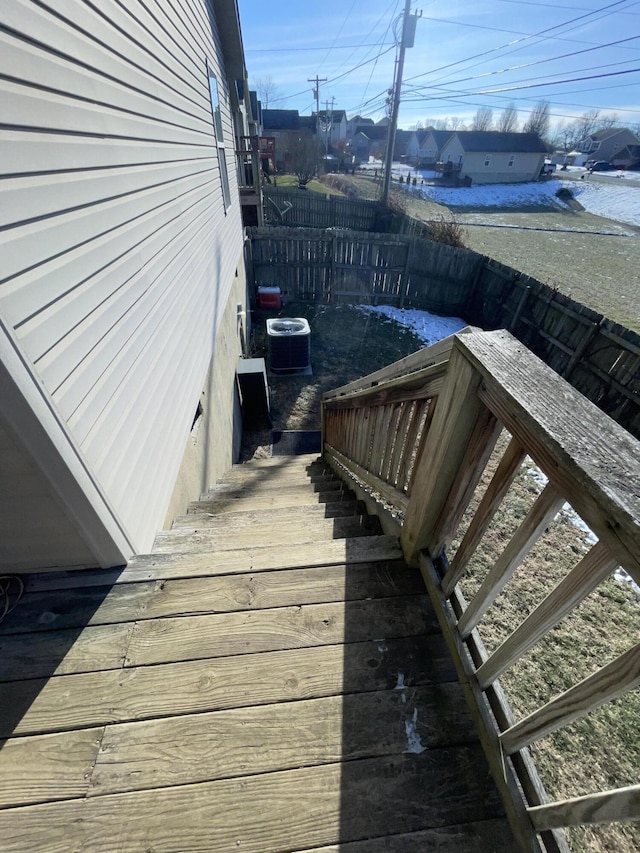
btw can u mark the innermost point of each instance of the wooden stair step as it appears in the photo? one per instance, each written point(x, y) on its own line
point(310, 732)
point(62, 703)
point(271, 477)
point(226, 491)
point(247, 518)
point(222, 502)
point(268, 485)
point(304, 461)
point(152, 567)
point(269, 812)
point(181, 638)
point(485, 836)
point(265, 533)
point(126, 602)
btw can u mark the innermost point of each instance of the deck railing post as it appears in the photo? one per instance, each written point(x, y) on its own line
point(456, 415)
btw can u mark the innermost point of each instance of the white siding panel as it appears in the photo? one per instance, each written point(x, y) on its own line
point(25, 153)
point(72, 27)
point(133, 90)
point(86, 231)
point(118, 255)
point(40, 109)
point(57, 193)
point(61, 337)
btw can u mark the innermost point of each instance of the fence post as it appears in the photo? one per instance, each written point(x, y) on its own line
point(456, 414)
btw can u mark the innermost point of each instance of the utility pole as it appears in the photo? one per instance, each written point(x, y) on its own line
point(316, 94)
point(408, 35)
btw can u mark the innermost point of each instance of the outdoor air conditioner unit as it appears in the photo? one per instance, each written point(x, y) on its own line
point(289, 345)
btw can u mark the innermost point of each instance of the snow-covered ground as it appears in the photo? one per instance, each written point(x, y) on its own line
point(428, 327)
point(618, 201)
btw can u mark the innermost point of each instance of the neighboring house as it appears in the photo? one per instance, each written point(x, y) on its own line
point(607, 144)
point(369, 140)
point(629, 157)
point(123, 295)
point(285, 126)
point(491, 157)
point(400, 144)
point(337, 122)
point(431, 147)
point(356, 123)
point(414, 142)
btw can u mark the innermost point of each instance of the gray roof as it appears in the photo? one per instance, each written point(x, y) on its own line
point(493, 141)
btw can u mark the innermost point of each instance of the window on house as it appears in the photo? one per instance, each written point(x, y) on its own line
point(487, 160)
point(512, 160)
point(219, 136)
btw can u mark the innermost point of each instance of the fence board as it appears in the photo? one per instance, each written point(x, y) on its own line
point(598, 357)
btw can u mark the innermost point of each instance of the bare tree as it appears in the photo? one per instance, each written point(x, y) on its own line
point(607, 122)
point(483, 119)
point(305, 156)
point(455, 123)
point(508, 120)
point(267, 90)
point(538, 121)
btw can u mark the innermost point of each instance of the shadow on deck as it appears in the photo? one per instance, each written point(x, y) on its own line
point(208, 697)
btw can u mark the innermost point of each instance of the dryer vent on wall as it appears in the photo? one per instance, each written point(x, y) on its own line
point(289, 345)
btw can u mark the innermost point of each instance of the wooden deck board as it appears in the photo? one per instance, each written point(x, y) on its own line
point(245, 741)
point(137, 693)
point(267, 530)
point(268, 813)
point(46, 611)
point(272, 698)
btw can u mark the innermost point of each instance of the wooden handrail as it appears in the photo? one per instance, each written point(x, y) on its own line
point(415, 438)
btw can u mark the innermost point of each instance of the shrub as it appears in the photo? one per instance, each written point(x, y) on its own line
point(447, 231)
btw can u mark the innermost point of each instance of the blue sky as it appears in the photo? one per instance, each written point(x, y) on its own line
point(467, 55)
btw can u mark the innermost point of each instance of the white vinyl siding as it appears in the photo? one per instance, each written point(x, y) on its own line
point(118, 259)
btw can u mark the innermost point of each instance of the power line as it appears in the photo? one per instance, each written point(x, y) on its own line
point(544, 61)
point(502, 47)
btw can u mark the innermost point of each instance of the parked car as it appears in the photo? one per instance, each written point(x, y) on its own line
point(601, 166)
point(548, 168)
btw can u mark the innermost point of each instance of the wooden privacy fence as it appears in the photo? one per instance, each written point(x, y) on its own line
point(413, 440)
point(598, 357)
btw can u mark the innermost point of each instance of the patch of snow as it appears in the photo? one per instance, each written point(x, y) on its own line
point(540, 478)
point(414, 744)
point(400, 685)
point(609, 200)
point(428, 327)
point(624, 577)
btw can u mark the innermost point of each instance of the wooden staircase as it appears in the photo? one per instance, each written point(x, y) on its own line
point(270, 679)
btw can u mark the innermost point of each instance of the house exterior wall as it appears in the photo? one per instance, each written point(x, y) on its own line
point(119, 257)
point(606, 149)
point(526, 167)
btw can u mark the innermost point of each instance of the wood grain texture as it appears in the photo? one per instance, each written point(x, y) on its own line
point(225, 744)
point(245, 520)
point(302, 496)
point(46, 611)
point(49, 767)
point(148, 567)
point(263, 532)
point(618, 677)
point(196, 637)
point(547, 504)
point(62, 652)
point(579, 583)
point(491, 500)
point(263, 814)
point(137, 693)
point(590, 458)
point(622, 804)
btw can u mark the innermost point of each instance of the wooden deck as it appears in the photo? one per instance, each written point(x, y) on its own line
point(225, 695)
